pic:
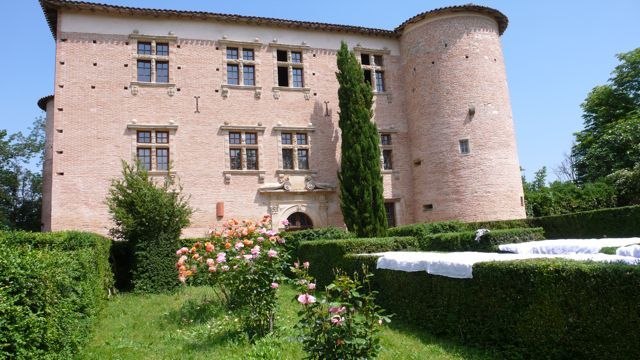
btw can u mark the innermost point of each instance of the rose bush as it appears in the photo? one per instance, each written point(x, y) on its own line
point(245, 263)
point(344, 322)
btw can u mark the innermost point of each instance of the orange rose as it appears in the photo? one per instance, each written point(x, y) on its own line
point(227, 245)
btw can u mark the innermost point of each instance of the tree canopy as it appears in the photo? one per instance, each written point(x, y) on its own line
point(610, 140)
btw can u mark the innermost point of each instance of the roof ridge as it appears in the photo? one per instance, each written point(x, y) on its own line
point(50, 7)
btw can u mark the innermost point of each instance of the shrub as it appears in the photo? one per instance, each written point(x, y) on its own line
point(616, 222)
point(466, 241)
point(150, 217)
point(294, 238)
point(51, 287)
point(540, 309)
point(327, 255)
point(344, 322)
point(246, 263)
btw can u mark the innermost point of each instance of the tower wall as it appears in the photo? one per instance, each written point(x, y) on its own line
point(455, 89)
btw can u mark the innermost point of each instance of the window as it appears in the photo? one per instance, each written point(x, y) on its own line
point(252, 159)
point(233, 72)
point(386, 160)
point(296, 57)
point(295, 150)
point(162, 72)
point(232, 53)
point(387, 151)
point(144, 48)
point(290, 68)
point(464, 146)
point(243, 150)
point(390, 209)
point(152, 151)
point(297, 78)
point(235, 138)
point(235, 157)
point(379, 81)
point(287, 159)
point(373, 68)
point(162, 137)
point(286, 139)
point(162, 49)
point(144, 137)
point(152, 62)
point(144, 70)
point(303, 159)
point(162, 159)
point(248, 54)
point(249, 75)
point(241, 70)
point(144, 158)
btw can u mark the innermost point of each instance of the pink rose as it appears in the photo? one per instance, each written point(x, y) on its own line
point(210, 262)
point(272, 253)
point(306, 299)
point(305, 264)
point(311, 286)
point(225, 268)
point(337, 320)
point(212, 269)
point(274, 285)
point(222, 257)
point(296, 265)
point(285, 222)
point(337, 310)
point(239, 245)
point(260, 239)
point(255, 250)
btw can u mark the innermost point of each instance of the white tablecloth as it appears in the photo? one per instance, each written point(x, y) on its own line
point(567, 246)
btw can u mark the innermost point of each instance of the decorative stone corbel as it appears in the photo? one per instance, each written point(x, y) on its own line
point(258, 93)
point(389, 98)
point(224, 92)
point(273, 209)
point(307, 94)
point(134, 90)
point(171, 91)
point(276, 94)
point(227, 179)
point(261, 178)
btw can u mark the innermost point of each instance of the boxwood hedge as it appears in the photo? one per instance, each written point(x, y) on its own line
point(51, 287)
point(532, 309)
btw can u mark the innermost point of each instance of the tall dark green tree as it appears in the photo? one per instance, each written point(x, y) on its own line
point(361, 191)
point(610, 140)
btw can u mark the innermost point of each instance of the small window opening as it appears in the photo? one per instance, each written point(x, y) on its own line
point(281, 55)
point(367, 76)
point(427, 207)
point(365, 59)
point(283, 76)
point(464, 146)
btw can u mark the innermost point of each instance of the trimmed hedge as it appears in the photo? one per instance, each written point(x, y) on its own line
point(51, 287)
point(616, 222)
point(327, 255)
point(537, 309)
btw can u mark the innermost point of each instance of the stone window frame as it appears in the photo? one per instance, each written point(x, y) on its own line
point(386, 147)
point(243, 129)
point(464, 143)
point(256, 46)
point(154, 145)
point(373, 67)
point(171, 41)
point(294, 146)
point(304, 51)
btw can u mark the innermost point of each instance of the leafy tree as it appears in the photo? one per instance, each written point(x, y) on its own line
point(150, 217)
point(361, 191)
point(21, 188)
point(627, 185)
point(565, 197)
point(610, 139)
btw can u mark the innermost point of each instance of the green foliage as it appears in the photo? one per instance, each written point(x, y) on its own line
point(150, 217)
point(361, 191)
point(51, 287)
point(560, 198)
point(627, 185)
point(294, 238)
point(616, 222)
point(20, 188)
point(342, 323)
point(328, 255)
point(537, 309)
point(609, 141)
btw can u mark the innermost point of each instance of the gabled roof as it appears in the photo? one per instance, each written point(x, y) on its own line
point(51, 7)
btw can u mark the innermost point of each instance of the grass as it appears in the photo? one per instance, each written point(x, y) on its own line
point(191, 325)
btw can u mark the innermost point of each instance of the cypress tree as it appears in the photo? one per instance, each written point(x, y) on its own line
point(361, 191)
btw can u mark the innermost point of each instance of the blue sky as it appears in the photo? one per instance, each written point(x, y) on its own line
point(555, 52)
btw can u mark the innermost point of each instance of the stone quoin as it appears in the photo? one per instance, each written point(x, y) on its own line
point(244, 111)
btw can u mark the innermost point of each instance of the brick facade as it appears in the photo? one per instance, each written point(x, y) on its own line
point(98, 106)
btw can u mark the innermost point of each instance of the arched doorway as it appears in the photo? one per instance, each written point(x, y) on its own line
point(299, 221)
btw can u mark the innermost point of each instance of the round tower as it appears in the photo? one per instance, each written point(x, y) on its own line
point(465, 160)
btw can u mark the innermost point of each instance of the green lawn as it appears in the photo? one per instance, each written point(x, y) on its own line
point(174, 326)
